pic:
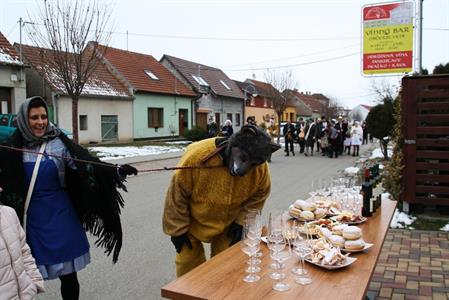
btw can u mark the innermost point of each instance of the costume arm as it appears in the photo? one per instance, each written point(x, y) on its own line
point(176, 218)
point(28, 260)
point(257, 200)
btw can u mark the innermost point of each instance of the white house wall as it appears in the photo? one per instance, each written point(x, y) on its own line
point(94, 108)
point(18, 88)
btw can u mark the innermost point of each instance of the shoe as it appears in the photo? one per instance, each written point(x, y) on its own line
point(287, 154)
point(353, 154)
point(306, 154)
point(293, 153)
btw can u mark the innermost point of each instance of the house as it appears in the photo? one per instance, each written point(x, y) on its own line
point(105, 104)
point(360, 112)
point(163, 104)
point(217, 95)
point(258, 103)
point(309, 105)
point(12, 78)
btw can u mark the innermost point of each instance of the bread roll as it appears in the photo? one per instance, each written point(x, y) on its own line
point(338, 229)
point(293, 211)
point(352, 233)
point(306, 215)
point(354, 244)
point(337, 240)
point(299, 203)
point(320, 212)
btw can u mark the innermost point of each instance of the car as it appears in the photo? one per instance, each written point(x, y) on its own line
point(8, 124)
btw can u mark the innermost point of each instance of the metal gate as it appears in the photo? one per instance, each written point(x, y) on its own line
point(109, 128)
point(425, 111)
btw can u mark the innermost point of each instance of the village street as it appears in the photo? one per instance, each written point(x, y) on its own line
point(146, 260)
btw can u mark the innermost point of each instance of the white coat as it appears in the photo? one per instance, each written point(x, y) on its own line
point(19, 277)
point(356, 135)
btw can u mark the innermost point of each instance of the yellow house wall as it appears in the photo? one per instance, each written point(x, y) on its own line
point(287, 112)
point(259, 113)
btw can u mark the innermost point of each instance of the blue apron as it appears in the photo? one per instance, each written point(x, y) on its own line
point(54, 231)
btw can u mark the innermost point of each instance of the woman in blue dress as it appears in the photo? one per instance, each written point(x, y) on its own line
point(68, 198)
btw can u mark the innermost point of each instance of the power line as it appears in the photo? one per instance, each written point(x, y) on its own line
point(213, 38)
point(437, 29)
point(296, 65)
point(292, 57)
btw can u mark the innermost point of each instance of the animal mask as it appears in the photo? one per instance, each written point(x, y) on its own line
point(248, 148)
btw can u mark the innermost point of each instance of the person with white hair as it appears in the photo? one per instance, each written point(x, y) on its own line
point(356, 138)
point(227, 130)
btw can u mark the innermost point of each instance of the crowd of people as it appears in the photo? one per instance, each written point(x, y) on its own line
point(326, 137)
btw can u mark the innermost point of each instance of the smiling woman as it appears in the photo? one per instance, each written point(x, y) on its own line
point(38, 120)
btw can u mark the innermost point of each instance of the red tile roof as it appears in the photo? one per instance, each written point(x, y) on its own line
point(263, 89)
point(132, 67)
point(212, 76)
point(8, 55)
point(102, 82)
point(313, 103)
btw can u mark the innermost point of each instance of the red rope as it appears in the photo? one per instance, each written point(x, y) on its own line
point(106, 164)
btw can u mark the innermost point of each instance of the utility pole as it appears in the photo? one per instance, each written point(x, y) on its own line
point(126, 40)
point(420, 17)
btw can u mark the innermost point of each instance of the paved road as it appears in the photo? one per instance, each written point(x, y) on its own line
point(146, 259)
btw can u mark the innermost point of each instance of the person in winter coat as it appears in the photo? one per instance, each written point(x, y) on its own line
point(227, 130)
point(68, 196)
point(208, 201)
point(19, 276)
point(356, 138)
point(289, 133)
point(212, 127)
point(310, 137)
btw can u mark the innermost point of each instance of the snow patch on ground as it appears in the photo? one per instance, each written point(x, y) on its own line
point(352, 170)
point(445, 228)
point(179, 143)
point(402, 220)
point(377, 153)
point(130, 151)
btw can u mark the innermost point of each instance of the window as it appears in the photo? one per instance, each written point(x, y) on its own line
point(155, 117)
point(4, 120)
point(229, 117)
point(83, 122)
point(252, 101)
point(237, 120)
point(151, 75)
point(225, 85)
point(265, 102)
point(200, 80)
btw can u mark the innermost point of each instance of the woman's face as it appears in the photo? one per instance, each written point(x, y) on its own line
point(37, 118)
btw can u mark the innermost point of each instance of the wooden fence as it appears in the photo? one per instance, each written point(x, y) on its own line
point(425, 111)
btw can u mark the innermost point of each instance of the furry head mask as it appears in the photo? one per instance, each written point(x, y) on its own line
point(248, 148)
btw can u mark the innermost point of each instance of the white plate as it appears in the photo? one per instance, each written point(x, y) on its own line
point(367, 246)
point(349, 260)
point(264, 239)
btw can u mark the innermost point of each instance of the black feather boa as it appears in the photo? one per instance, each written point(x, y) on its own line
point(93, 190)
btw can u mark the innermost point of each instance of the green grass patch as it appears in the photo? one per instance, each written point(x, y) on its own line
point(426, 223)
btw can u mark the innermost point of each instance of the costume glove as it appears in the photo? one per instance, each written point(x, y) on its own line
point(179, 241)
point(127, 170)
point(235, 233)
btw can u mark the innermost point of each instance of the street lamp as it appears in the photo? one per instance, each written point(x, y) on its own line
point(249, 89)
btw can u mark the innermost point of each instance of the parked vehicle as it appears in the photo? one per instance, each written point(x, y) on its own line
point(8, 124)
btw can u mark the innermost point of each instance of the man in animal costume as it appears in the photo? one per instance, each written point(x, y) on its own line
point(208, 201)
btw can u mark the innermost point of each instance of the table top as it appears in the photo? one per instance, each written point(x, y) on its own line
point(221, 277)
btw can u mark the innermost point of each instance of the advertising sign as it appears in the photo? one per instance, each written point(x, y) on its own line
point(388, 38)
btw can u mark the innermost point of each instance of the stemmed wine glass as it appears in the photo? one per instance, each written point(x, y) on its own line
point(303, 248)
point(280, 253)
point(315, 188)
point(250, 246)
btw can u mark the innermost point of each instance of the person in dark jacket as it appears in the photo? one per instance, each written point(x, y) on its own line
point(289, 132)
point(67, 197)
point(310, 137)
point(227, 130)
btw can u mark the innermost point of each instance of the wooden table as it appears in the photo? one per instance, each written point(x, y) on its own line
point(222, 276)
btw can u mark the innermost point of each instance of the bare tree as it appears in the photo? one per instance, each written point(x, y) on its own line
point(281, 85)
point(334, 109)
point(67, 28)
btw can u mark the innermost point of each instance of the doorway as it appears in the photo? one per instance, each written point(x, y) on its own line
point(183, 121)
point(109, 128)
point(5, 100)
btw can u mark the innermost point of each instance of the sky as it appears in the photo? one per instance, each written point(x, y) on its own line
point(319, 41)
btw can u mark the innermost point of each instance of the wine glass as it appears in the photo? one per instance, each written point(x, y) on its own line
point(315, 187)
point(250, 247)
point(303, 249)
point(280, 254)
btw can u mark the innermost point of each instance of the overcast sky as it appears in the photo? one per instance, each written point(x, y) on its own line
point(319, 40)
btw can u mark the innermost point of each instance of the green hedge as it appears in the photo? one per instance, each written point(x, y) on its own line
point(195, 134)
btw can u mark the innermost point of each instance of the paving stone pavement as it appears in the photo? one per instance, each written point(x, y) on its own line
point(413, 264)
